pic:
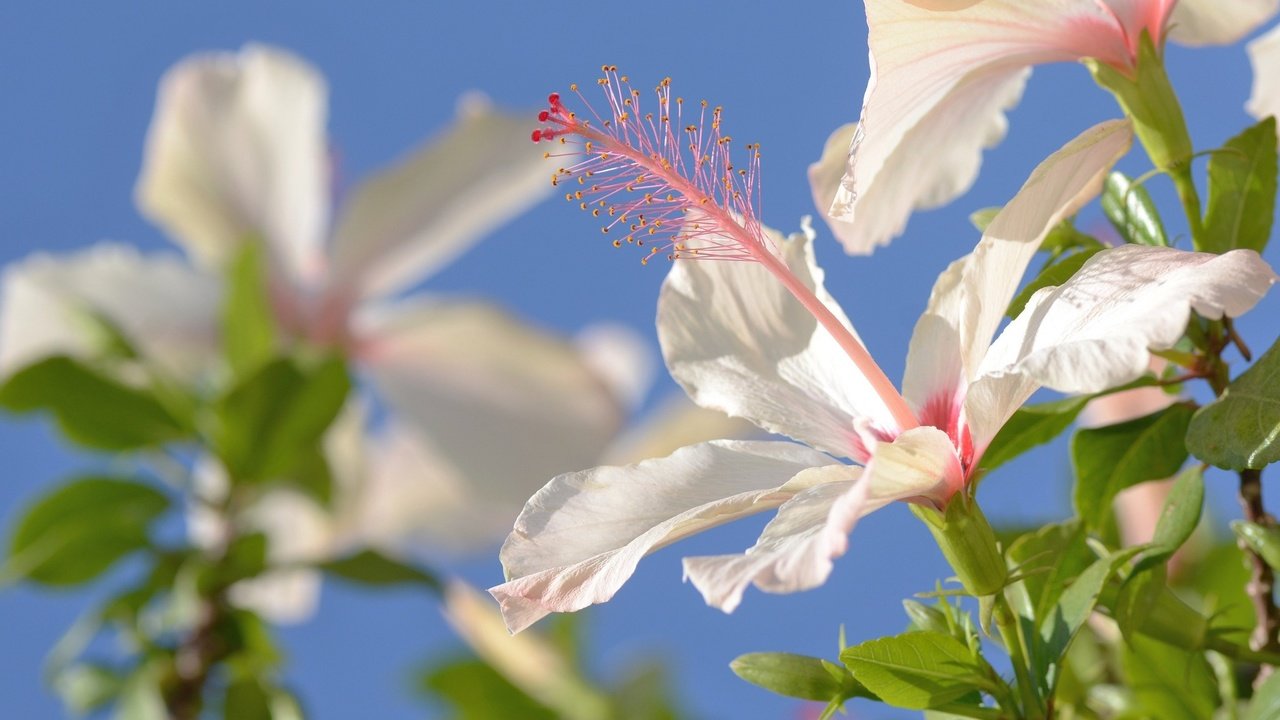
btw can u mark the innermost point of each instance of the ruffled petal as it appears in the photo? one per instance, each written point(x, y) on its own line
point(970, 298)
point(236, 151)
point(165, 308)
point(1264, 55)
point(1094, 331)
point(941, 81)
point(739, 342)
point(1214, 22)
point(580, 537)
point(796, 549)
point(502, 405)
point(407, 222)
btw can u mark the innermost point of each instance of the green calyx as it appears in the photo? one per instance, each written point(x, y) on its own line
point(969, 544)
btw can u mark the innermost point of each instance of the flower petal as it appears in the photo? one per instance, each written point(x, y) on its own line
point(165, 308)
point(504, 406)
point(970, 298)
point(739, 342)
point(580, 537)
point(796, 549)
point(1264, 55)
point(1094, 331)
point(236, 151)
point(1213, 22)
point(622, 358)
point(824, 182)
point(410, 220)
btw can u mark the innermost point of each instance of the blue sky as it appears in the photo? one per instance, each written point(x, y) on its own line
point(78, 82)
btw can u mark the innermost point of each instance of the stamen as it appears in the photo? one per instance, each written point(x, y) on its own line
point(678, 180)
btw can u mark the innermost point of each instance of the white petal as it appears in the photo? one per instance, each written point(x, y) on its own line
point(410, 220)
point(796, 549)
point(739, 342)
point(236, 151)
point(166, 309)
point(621, 357)
point(580, 537)
point(941, 81)
point(970, 298)
point(674, 423)
point(1214, 22)
point(824, 182)
point(1094, 331)
point(1264, 55)
point(502, 405)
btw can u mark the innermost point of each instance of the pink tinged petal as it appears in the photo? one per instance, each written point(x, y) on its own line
point(164, 307)
point(739, 342)
point(1264, 55)
point(941, 81)
point(796, 549)
point(580, 537)
point(970, 298)
point(407, 222)
point(1214, 22)
point(503, 405)
point(1094, 331)
point(236, 152)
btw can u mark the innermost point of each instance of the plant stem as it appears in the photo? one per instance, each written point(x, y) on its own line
point(1262, 578)
point(1190, 199)
point(1007, 623)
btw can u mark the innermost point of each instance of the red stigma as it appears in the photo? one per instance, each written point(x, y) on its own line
point(542, 116)
point(554, 100)
point(536, 136)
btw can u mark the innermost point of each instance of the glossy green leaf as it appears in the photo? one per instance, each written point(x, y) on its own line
point(91, 408)
point(1265, 704)
point(1031, 425)
point(1167, 682)
point(797, 676)
point(271, 424)
point(1263, 540)
point(1052, 276)
point(1181, 512)
point(1241, 429)
point(1242, 191)
point(79, 530)
point(1110, 459)
point(917, 670)
point(369, 567)
point(1131, 211)
point(248, 322)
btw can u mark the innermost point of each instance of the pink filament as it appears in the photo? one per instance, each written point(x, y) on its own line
point(680, 188)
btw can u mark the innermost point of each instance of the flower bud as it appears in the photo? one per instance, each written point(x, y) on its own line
point(969, 544)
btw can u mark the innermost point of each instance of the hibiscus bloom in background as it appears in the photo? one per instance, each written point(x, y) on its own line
point(1264, 54)
point(737, 341)
point(484, 407)
point(943, 73)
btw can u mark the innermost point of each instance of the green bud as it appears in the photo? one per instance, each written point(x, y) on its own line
point(969, 544)
point(924, 617)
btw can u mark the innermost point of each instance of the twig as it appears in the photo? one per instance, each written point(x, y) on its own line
point(1262, 578)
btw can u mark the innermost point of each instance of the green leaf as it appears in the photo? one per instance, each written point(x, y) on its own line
point(248, 321)
point(76, 532)
point(1241, 429)
point(1110, 459)
point(1263, 540)
point(1131, 211)
point(918, 670)
point(1167, 682)
point(798, 676)
point(1030, 426)
point(1065, 237)
point(1062, 623)
point(90, 408)
point(140, 698)
point(1182, 508)
point(246, 699)
point(1051, 276)
point(980, 219)
point(246, 557)
point(1046, 560)
point(1242, 191)
point(644, 695)
point(270, 425)
point(478, 692)
point(88, 687)
point(369, 567)
point(1266, 700)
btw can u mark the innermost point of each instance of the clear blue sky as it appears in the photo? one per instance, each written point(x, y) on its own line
point(77, 83)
